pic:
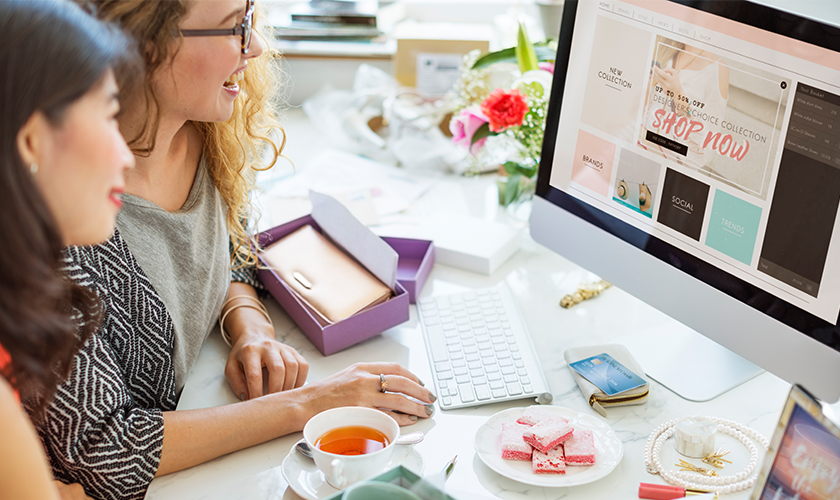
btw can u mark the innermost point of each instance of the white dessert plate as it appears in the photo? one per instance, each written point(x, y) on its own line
point(307, 481)
point(608, 450)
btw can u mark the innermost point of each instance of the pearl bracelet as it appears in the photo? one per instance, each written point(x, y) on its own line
point(689, 480)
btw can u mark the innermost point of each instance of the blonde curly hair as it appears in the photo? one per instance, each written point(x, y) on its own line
point(233, 149)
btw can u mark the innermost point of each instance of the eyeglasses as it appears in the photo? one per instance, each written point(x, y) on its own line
point(244, 30)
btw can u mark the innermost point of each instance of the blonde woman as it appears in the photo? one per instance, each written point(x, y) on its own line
point(181, 256)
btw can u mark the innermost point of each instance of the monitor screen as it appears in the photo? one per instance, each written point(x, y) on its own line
point(694, 148)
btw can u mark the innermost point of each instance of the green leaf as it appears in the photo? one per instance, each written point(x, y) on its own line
point(482, 132)
point(525, 55)
point(509, 55)
point(513, 168)
point(512, 188)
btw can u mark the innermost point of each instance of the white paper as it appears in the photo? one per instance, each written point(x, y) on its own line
point(357, 240)
point(338, 172)
point(437, 73)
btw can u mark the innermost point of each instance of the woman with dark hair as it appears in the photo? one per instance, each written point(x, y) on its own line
point(61, 180)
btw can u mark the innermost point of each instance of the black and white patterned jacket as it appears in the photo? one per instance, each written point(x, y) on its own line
point(104, 429)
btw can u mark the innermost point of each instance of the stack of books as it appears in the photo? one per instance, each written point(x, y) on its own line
point(334, 20)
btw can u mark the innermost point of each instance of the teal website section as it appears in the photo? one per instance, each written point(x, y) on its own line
point(733, 227)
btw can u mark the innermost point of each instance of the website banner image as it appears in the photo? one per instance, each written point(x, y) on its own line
point(706, 134)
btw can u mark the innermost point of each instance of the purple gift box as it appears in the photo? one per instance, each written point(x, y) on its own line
point(415, 264)
point(332, 338)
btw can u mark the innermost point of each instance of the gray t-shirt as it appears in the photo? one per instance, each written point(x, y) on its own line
point(185, 255)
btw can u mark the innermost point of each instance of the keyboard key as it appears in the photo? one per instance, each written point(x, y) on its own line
point(477, 372)
point(494, 376)
point(528, 388)
point(457, 354)
point(459, 362)
point(479, 381)
point(462, 379)
point(444, 375)
point(503, 354)
point(447, 401)
point(508, 370)
point(498, 393)
point(491, 368)
point(466, 393)
point(514, 389)
point(470, 349)
point(437, 343)
point(431, 320)
point(516, 355)
point(473, 365)
point(473, 356)
point(525, 381)
point(487, 353)
point(482, 392)
point(505, 362)
point(497, 384)
point(511, 378)
point(442, 366)
point(461, 370)
point(519, 363)
point(522, 372)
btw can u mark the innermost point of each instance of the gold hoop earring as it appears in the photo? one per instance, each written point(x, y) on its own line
point(622, 190)
point(33, 169)
point(645, 198)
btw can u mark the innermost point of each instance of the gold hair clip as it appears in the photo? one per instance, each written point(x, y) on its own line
point(688, 467)
point(585, 292)
point(716, 459)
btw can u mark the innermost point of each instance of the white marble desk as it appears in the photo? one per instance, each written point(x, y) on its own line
point(538, 279)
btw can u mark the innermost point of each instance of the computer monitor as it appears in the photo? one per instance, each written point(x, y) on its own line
point(692, 158)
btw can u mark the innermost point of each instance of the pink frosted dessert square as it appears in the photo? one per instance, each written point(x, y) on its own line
point(534, 415)
point(580, 448)
point(548, 463)
point(548, 434)
point(513, 446)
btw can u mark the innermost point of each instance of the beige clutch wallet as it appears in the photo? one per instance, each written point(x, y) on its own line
point(598, 399)
point(328, 281)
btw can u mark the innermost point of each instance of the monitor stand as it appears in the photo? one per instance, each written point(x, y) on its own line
point(686, 362)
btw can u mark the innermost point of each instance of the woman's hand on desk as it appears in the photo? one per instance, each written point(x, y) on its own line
point(361, 384)
point(256, 350)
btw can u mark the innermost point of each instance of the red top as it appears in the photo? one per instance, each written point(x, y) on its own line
point(5, 359)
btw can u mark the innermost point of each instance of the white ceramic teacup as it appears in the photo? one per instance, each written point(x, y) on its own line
point(341, 471)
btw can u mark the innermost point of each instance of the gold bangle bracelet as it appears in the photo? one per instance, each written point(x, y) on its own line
point(225, 336)
point(248, 297)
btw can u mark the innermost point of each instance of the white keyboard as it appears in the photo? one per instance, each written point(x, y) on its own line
point(479, 349)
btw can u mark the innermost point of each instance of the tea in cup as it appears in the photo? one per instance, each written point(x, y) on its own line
point(351, 443)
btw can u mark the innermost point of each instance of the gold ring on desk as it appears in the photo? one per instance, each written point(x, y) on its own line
point(383, 384)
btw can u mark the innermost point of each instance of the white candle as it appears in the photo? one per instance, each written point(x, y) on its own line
point(695, 436)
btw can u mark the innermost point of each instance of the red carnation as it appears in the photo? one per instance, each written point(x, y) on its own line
point(505, 109)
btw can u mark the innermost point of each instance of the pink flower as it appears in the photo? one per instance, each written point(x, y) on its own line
point(504, 109)
point(464, 125)
point(547, 66)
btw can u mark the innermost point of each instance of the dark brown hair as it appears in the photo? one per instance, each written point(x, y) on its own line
point(52, 53)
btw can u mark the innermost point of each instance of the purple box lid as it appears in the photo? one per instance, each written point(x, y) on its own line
point(416, 260)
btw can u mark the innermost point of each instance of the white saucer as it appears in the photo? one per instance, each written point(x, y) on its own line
point(307, 481)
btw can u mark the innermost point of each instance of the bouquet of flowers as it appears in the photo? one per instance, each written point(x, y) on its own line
point(500, 103)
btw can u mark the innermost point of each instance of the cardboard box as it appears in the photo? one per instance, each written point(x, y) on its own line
point(332, 219)
point(416, 260)
point(414, 39)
